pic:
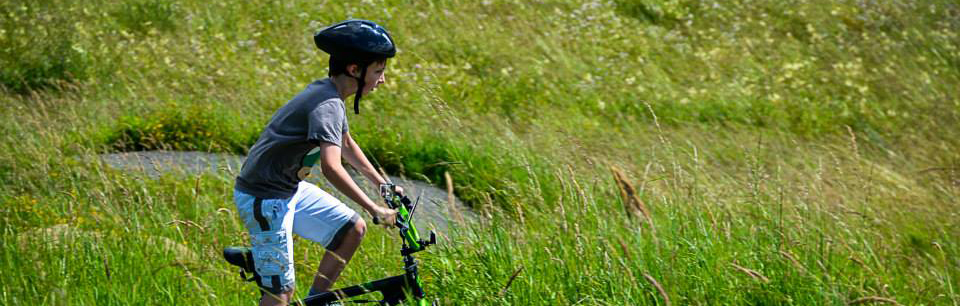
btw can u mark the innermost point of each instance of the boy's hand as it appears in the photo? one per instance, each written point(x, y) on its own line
point(384, 216)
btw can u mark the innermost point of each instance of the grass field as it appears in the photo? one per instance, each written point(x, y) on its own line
point(623, 152)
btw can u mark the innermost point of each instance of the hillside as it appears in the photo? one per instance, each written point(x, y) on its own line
point(622, 152)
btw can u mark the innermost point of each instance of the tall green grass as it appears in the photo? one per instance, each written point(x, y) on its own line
point(789, 152)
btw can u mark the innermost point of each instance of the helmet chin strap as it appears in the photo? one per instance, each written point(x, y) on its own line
point(360, 84)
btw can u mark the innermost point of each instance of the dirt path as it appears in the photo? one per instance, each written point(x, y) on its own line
point(434, 211)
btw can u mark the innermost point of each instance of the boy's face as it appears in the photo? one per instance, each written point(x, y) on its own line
point(376, 75)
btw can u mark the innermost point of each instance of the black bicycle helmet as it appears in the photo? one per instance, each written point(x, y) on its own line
point(359, 41)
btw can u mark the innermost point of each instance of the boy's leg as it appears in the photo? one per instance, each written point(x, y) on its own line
point(321, 218)
point(282, 299)
point(270, 223)
point(335, 260)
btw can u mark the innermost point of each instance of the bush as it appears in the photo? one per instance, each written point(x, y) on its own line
point(483, 175)
point(179, 128)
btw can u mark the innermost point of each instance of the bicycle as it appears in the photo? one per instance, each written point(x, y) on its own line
point(395, 289)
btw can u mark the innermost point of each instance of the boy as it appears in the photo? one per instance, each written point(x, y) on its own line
point(270, 194)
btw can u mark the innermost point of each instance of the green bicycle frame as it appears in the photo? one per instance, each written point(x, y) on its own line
point(395, 289)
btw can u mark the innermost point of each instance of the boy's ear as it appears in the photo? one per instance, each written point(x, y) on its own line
point(353, 70)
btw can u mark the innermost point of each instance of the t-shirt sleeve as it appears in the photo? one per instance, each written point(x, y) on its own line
point(327, 123)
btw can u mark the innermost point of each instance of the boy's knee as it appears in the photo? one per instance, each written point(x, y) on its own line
point(359, 228)
point(350, 234)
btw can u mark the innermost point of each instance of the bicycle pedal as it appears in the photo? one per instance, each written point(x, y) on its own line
point(241, 257)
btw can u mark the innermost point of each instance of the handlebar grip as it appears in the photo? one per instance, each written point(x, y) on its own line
point(376, 220)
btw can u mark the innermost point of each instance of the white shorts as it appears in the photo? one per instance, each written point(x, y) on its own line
point(311, 213)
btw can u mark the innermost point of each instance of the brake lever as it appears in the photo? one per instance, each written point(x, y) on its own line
point(415, 204)
point(414, 208)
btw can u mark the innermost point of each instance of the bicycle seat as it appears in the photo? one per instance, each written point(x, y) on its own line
point(239, 256)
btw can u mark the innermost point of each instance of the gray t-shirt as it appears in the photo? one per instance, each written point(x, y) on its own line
point(288, 146)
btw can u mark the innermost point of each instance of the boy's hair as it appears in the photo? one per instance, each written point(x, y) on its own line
point(339, 65)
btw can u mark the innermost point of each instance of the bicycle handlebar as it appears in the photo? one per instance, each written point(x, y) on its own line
point(404, 221)
point(389, 193)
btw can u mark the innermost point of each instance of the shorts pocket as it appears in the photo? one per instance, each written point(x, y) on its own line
point(270, 253)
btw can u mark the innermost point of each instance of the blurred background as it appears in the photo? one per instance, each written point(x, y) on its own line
point(626, 152)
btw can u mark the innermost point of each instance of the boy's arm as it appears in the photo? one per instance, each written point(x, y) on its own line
point(336, 175)
point(354, 155)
